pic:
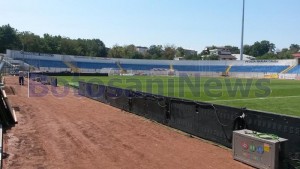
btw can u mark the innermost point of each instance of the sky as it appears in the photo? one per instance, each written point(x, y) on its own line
point(191, 24)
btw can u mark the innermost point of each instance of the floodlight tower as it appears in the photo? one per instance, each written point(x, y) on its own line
point(242, 40)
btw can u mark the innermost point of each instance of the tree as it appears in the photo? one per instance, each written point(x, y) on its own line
point(132, 53)
point(267, 56)
point(30, 42)
point(51, 44)
point(211, 57)
point(180, 52)
point(155, 52)
point(8, 38)
point(285, 54)
point(81, 47)
point(94, 47)
point(129, 51)
point(12, 39)
point(100, 50)
point(233, 49)
point(247, 49)
point(261, 48)
point(169, 52)
point(67, 47)
point(116, 52)
point(193, 57)
point(294, 48)
point(284, 50)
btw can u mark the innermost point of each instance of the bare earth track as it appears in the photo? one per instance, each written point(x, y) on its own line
point(74, 132)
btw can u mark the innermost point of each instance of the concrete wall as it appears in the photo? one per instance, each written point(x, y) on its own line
point(31, 55)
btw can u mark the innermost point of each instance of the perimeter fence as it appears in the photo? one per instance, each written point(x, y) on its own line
point(209, 121)
point(205, 120)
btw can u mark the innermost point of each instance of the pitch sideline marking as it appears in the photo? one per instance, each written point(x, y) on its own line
point(260, 98)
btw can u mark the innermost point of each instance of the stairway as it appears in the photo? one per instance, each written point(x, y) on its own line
point(122, 71)
point(11, 66)
point(288, 69)
point(172, 68)
point(72, 67)
point(228, 69)
point(69, 62)
point(171, 71)
point(226, 73)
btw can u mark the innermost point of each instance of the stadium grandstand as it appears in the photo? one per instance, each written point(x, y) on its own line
point(213, 68)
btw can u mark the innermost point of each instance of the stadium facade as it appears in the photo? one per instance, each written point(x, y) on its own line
point(249, 68)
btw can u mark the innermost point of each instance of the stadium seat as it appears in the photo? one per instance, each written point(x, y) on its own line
point(295, 70)
point(45, 63)
point(148, 66)
point(265, 69)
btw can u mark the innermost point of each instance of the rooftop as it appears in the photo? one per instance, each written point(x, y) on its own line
point(296, 55)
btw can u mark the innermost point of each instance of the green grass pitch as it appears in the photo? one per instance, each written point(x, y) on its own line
point(277, 96)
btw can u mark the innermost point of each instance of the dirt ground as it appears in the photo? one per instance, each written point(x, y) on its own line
point(72, 132)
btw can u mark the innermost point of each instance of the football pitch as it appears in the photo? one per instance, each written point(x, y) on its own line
point(276, 96)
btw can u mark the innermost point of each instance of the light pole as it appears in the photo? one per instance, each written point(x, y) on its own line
point(242, 40)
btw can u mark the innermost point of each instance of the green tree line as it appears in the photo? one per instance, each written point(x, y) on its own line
point(267, 50)
point(11, 38)
point(259, 50)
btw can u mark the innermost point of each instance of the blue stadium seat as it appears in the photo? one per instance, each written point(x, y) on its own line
point(269, 69)
point(295, 70)
point(194, 68)
point(200, 68)
point(92, 65)
point(143, 66)
point(45, 63)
